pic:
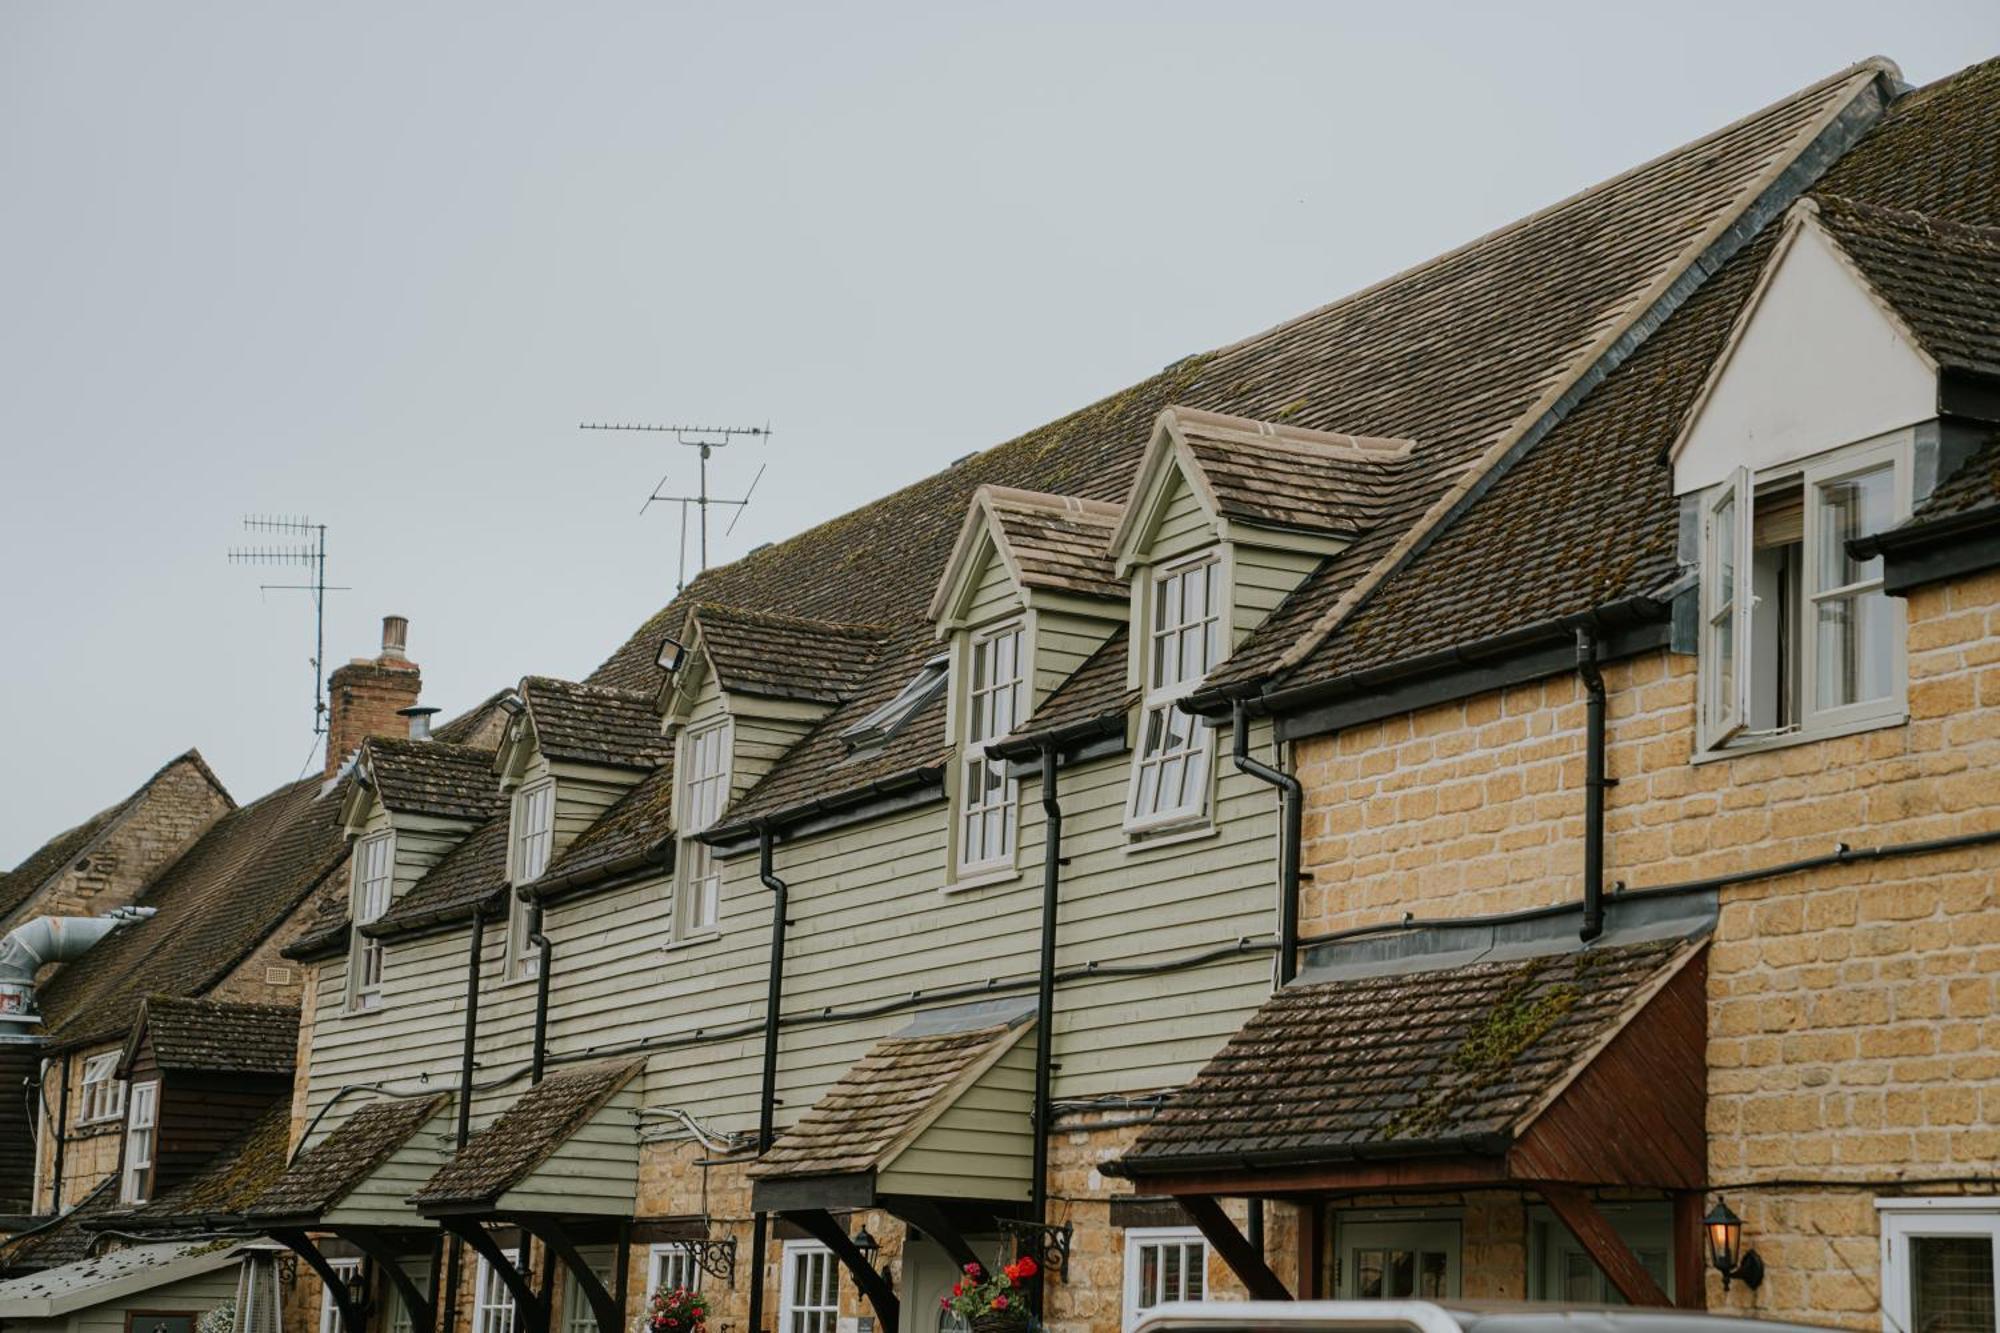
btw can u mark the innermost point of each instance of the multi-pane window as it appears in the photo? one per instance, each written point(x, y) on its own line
point(1170, 777)
point(329, 1313)
point(1798, 636)
point(577, 1316)
point(993, 700)
point(373, 862)
point(492, 1301)
point(809, 1295)
point(1938, 1271)
point(704, 779)
point(672, 1266)
point(140, 1121)
point(102, 1096)
point(533, 830)
point(1163, 1264)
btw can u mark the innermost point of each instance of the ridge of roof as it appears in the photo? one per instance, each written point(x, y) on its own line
point(1706, 251)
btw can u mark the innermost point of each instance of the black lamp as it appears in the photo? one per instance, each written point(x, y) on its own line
point(866, 1245)
point(1725, 1248)
point(356, 1282)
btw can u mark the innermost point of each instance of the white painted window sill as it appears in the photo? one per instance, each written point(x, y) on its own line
point(682, 942)
point(981, 879)
point(1786, 740)
point(1168, 835)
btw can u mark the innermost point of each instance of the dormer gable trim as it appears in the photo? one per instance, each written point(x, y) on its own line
point(1171, 452)
point(1037, 579)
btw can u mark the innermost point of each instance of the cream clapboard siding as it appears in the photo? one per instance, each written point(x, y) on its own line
point(994, 595)
point(1260, 578)
point(421, 841)
point(1183, 525)
point(191, 1295)
point(981, 1147)
point(594, 1171)
point(1060, 641)
point(379, 1200)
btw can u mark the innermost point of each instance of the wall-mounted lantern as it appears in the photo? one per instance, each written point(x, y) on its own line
point(1725, 1248)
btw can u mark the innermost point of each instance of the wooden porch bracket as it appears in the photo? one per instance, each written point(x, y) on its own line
point(1238, 1253)
point(610, 1319)
point(533, 1308)
point(423, 1318)
point(819, 1224)
point(1604, 1244)
point(930, 1219)
point(1690, 1266)
point(1312, 1244)
point(299, 1243)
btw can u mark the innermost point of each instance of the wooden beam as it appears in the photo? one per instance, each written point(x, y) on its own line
point(1312, 1249)
point(371, 1243)
point(1604, 1244)
point(610, 1319)
point(299, 1243)
point(532, 1308)
point(1237, 1252)
point(819, 1224)
point(927, 1217)
point(1690, 1263)
point(1362, 1177)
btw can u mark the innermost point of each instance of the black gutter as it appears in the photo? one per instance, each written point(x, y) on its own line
point(1932, 551)
point(1291, 819)
point(726, 835)
point(1593, 785)
point(438, 921)
point(1045, 999)
point(448, 1316)
point(655, 856)
point(768, 1101)
point(539, 1057)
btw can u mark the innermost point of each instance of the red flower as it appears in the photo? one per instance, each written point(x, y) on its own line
point(973, 1270)
point(999, 1302)
point(958, 1289)
point(944, 1302)
point(1025, 1267)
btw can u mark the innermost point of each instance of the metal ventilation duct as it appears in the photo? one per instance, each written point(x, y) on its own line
point(29, 948)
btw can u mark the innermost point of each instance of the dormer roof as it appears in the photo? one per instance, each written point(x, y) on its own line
point(425, 777)
point(1263, 475)
point(1059, 543)
point(1941, 279)
point(590, 724)
point(776, 656)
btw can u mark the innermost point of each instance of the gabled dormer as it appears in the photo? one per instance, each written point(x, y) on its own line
point(1852, 381)
point(743, 688)
point(1226, 516)
point(569, 751)
point(410, 803)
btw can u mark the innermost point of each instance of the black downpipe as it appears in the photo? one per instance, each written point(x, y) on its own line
point(1045, 995)
point(539, 1058)
point(767, 1109)
point(448, 1316)
point(62, 1137)
point(1291, 824)
point(1593, 785)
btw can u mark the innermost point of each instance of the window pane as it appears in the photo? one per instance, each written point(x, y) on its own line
point(1722, 522)
point(1430, 1275)
point(1401, 1281)
point(1853, 507)
point(1951, 1284)
point(1368, 1274)
point(1579, 1277)
point(1855, 650)
point(1722, 668)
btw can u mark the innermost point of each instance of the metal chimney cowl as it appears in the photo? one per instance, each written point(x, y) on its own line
point(30, 947)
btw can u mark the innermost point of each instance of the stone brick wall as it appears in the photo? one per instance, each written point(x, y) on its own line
point(362, 699)
point(1854, 1017)
point(169, 815)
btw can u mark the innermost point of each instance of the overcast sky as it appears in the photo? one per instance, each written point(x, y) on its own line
point(373, 263)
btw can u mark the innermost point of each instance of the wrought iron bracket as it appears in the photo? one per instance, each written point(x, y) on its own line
point(1046, 1243)
point(717, 1258)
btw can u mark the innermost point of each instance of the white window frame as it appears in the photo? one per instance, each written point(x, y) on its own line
point(983, 702)
point(370, 888)
point(825, 1318)
point(1138, 1239)
point(704, 793)
point(577, 1316)
point(1723, 705)
point(1163, 696)
point(101, 1096)
point(669, 1261)
point(142, 1141)
point(1903, 1220)
point(329, 1313)
point(492, 1300)
point(531, 826)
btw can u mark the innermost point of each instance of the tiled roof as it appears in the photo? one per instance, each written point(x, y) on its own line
point(1588, 518)
point(1973, 487)
point(1093, 697)
point(479, 725)
point(1058, 541)
point(326, 1172)
point(1414, 1061)
point(323, 931)
point(432, 777)
point(59, 852)
point(879, 1104)
point(224, 896)
point(501, 1156)
point(1457, 355)
point(594, 724)
point(637, 830)
point(1279, 476)
point(235, 1179)
point(785, 657)
point(64, 1241)
point(1942, 277)
point(472, 874)
point(214, 1037)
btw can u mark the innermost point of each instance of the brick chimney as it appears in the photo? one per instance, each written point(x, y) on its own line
point(366, 695)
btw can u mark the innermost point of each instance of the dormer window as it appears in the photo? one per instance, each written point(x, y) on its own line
point(703, 770)
point(1798, 638)
point(533, 830)
point(1170, 776)
point(986, 798)
point(368, 900)
point(102, 1097)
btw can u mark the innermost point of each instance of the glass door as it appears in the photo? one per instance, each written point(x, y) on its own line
point(1390, 1258)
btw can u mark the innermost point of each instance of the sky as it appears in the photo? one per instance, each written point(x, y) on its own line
point(374, 264)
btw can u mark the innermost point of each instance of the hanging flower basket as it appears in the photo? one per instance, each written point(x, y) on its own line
point(996, 1304)
point(675, 1310)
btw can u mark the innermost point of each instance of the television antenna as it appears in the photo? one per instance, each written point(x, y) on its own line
point(308, 554)
point(705, 439)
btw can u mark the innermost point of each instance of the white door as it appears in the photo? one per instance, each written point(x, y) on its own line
point(1388, 1258)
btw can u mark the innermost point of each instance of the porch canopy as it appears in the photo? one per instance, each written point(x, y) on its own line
point(353, 1184)
point(562, 1164)
point(1465, 1057)
point(933, 1125)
